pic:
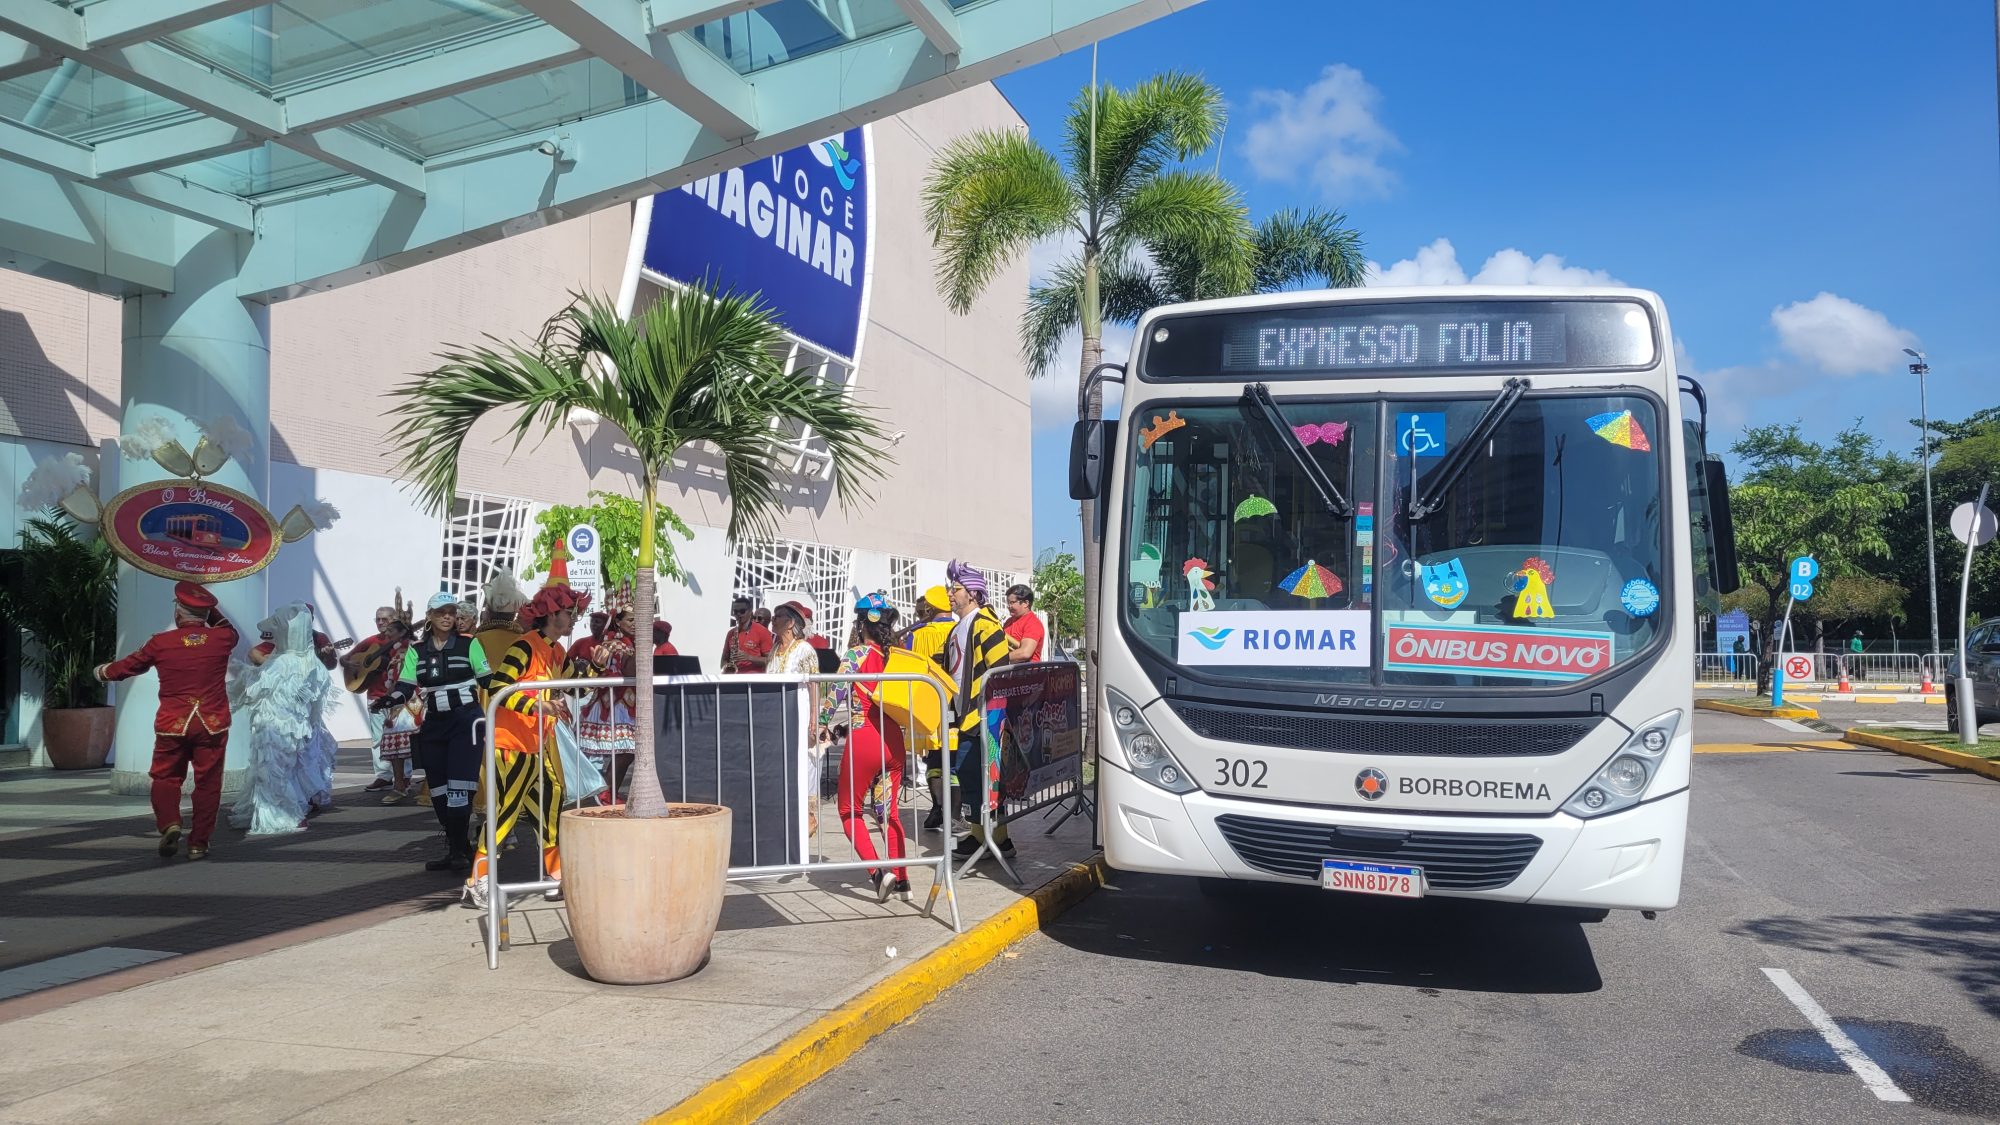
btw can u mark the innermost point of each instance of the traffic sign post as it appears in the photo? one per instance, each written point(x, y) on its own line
point(1974, 524)
point(1802, 571)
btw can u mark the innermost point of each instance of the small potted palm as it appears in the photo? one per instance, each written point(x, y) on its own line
point(67, 606)
point(698, 368)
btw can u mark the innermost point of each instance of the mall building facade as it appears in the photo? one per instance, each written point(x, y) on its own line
point(942, 384)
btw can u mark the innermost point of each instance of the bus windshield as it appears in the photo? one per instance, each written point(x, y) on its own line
point(1543, 562)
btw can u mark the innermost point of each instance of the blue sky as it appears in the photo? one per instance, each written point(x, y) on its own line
point(1740, 159)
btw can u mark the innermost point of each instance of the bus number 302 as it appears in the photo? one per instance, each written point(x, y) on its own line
point(1243, 773)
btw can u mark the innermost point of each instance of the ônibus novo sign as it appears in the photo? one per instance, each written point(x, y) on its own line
point(189, 529)
point(793, 228)
point(1498, 650)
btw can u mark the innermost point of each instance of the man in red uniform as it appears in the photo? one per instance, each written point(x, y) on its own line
point(746, 648)
point(192, 723)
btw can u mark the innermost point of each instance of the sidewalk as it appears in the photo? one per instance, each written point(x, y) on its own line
point(402, 1021)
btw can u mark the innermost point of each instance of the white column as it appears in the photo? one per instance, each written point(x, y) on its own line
point(190, 356)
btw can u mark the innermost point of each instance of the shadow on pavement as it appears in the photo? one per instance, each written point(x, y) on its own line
point(1302, 933)
point(1964, 944)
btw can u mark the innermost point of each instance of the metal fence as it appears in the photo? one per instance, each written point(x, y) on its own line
point(1725, 667)
point(1887, 668)
point(1028, 779)
point(498, 893)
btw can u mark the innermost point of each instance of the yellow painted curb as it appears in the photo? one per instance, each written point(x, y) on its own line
point(1984, 767)
point(753, 1089)
point(1756, 712)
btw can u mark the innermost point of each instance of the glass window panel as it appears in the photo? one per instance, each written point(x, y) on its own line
point(80, 103)
point(790, 29)
point(519, 105)
point(256, 171)
point(295, 40)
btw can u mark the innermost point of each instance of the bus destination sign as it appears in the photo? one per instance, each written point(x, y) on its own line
point(1391, 340)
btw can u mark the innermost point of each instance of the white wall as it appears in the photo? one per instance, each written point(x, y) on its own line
point(380, 542)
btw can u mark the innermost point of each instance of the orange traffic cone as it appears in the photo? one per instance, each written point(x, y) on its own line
point(1929, 687)
point(1845, 684)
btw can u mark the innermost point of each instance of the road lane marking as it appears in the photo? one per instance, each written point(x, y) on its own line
point(1795, 728)
point(1766, 747)
point(1872, 1076)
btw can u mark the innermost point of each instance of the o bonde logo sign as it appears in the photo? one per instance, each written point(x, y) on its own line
point(793, 228)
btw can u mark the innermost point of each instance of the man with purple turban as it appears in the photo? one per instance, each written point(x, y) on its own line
point(978, 645)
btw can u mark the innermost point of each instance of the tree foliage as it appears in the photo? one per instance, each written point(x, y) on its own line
point(619, 521)
point(1058, 586)
point(1965, 455)
point(67, 605)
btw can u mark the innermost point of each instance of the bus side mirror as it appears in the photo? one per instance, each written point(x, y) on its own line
point(1088, 443)
point(1721, 527)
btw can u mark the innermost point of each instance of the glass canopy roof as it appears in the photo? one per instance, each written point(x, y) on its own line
point(219, 111)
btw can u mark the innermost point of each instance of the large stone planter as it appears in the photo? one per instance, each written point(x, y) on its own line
point(644, 895)
point(78, 738)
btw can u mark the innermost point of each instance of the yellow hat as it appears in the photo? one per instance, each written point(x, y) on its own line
point(938, 598)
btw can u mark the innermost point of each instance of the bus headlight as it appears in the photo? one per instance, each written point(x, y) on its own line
point(1623, 780)
point(1145, 753)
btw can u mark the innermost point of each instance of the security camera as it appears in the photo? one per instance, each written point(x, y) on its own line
point(547, 148)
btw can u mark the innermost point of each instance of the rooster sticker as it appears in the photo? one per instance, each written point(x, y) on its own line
point(1199, 584)
point(1445, 583)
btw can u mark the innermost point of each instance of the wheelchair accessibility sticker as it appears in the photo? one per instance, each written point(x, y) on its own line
point(1420, 434)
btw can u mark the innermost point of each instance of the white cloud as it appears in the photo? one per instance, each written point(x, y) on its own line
point(1048, 253)
point(1329, 130)
point(1052, 394)
point(1437, 264)
point(1840, 337)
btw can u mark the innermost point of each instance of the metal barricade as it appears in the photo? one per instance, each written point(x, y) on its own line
point(1885, 667)
point(498, 894)
point(1725, 667)
point(1050, 715)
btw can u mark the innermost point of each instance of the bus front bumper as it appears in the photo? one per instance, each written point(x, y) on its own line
point(1626, 860)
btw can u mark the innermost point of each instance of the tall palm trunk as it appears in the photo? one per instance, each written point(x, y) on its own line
point(1093, 408)
point(644, 798)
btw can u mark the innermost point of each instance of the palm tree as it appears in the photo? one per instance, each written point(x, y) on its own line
point(698, 367)
point(1119, 189)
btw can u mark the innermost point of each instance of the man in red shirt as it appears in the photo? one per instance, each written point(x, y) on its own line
point(746, 650)
point(191, 725)
point(1025, 635)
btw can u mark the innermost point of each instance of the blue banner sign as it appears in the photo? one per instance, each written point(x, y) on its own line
point(793, 228)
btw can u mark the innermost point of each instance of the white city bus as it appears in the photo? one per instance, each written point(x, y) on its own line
point(1399, 594)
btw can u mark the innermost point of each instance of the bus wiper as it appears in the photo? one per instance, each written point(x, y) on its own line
point(1259, 395)
point(1461, 455)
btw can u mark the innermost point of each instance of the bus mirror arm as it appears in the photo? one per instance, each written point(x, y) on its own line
point(1461, 455)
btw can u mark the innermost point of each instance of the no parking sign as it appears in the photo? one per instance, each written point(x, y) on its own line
point(1799, 666)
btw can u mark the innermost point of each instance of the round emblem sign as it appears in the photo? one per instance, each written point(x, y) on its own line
point(1371, 783)
point(193, 530)
point(1798, 667)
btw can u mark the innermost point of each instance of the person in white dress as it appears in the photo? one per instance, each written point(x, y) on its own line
point(282, 703)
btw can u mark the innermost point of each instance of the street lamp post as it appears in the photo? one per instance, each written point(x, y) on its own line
point(1920, 369)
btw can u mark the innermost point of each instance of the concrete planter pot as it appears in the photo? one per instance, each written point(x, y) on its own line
point(644, 895)
point(78, 738)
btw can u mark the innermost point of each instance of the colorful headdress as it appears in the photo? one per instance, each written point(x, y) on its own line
point(873, 606)
point(552, 599)
point(965, 575)
point(504, 594)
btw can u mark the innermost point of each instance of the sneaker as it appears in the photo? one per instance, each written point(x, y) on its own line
point(885, 885)
point(378, 785)
point(474, 895)
point(903, 890)
point(197, 851)
point(935, 821)
point(1007, 847)
point(966, 848)
point(170, 840)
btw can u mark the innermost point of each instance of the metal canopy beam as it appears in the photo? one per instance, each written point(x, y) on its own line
point(938, 23)
point(669, 16)
point(670, 66)
point(344, 149)
point(438, 76)
point(76, 163)
point(114, 23)
point(153, 149)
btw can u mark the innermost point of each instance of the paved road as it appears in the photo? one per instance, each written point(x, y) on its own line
point(1855, 872)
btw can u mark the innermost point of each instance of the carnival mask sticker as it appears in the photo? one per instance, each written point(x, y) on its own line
point(1200, 584)
point(1620, 429)
point(1311, 581)
point(1161, 428)
point(1254, 505)
point(1532, 600)
point(1445, 583)
point(1640, 598)
point(1331, 433)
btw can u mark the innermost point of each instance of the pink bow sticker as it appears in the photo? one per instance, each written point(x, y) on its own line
point(1329, 432)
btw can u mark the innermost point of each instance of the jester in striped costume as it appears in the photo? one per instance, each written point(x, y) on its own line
point(978, 644)
point(530, 770)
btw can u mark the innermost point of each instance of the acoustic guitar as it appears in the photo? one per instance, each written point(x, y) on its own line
point(359, 666)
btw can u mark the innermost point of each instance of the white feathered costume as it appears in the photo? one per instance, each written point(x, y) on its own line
point(282, 703)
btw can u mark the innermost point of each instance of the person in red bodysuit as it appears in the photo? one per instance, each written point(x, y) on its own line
point(191, 725)
point(874, 748)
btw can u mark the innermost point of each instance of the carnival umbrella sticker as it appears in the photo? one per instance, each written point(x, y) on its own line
point(1619, 428)
point(1312, 582)
point(1255, 505)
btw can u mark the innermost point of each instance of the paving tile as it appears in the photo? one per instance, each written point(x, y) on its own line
point(695, 1037)
point(566, 1087)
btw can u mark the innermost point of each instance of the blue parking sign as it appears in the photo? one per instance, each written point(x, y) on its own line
point(1801, 591)
point(1805, 568)
point(1420, 434)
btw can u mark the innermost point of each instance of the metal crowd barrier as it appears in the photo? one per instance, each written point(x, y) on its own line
point(1725, 667)
point(1008, 808)
point(498, 894)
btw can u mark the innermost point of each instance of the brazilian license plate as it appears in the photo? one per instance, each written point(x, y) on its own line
point(1372, 878)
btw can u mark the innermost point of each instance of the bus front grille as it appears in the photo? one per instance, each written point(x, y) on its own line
point(1452, 861)
point(1397, 734)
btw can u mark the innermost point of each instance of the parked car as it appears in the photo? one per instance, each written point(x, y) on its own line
point(1982, 654)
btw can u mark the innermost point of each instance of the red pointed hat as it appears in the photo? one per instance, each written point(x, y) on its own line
point(193, 596)
point(550, 599)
